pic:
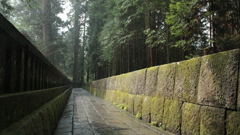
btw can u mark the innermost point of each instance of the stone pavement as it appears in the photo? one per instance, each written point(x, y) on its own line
point(86, 114)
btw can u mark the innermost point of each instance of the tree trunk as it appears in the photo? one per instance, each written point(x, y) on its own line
point(46, 27)
point(76, 42)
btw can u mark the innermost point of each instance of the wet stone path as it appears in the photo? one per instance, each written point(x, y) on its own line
point(86, 114)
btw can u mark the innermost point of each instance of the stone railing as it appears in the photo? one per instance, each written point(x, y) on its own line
point(197, 96)
point(22, 66)
point(33, 92)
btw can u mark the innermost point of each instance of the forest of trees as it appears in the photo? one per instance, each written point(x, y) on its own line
point(102, 38)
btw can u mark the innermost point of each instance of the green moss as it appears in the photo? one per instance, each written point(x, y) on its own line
point(139, 115)
point(172, 116)
point(233, 123)
point(212, 120)
point(130, 103)
point(154, 123)
point(138, 101)
point(146, 109)
point(218, 79)
point(121, 106)
point(190, 119)
point(157, 105)
point(186, 80)
point(151, 81)
point(125, 108)
point(165, 83)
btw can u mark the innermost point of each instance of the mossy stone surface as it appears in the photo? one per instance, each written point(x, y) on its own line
point(139, 82)
point(41, 121)
point(129, 83)
point(172, 116)
point(146, 109)
point(111, 83)
point(186, 80)
point(130, 103)
point(118, 83)
point(138, 101)
point(190, 119)
point(157, 107)
point(238, 100)
point(212, 121)
point(151, 81)
point(112, 97)
point(218, 79)
point(165, 80)
point(121, 85)
point(233, 123)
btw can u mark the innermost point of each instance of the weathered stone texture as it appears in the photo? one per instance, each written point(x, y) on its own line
point(138, 101)
point(233, 123)
point(238, 100)
point(146, 109)
point(121, 85)
point(111, 83)
point(130, 103)
point(172, 116)
point(151, 81)
point(157, 107)
point(42, 121)
point(212, 121)
point(218, 79)
point(190, 119)
point(129, 83)
point(165, 80)
point(186, 80)
point(140, 81)
point(118, 81)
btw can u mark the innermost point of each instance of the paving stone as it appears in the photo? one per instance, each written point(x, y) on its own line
point(126, 132)
point(104, 131)
point(90, 115)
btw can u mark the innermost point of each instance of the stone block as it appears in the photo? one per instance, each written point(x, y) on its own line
point(165, 80)
point(121, 84)
point(212, 121)
point(118, 81)
point(238, 100)
point(138, 101)
point(186, 80)
point(157, 107)
point(129, 82)
point(190, 119)
point(146, 109)
point(233, 123)
point(111, 83)
point(172, 116)
point(140, 81)
point(151, 81)
point(130, 103)
point(218, 79)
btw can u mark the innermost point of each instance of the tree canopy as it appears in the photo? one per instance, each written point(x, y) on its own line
point(102, 38)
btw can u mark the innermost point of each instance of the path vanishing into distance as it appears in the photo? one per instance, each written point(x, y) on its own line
point(86, 114)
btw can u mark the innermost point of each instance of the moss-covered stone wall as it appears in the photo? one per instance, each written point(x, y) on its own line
point(42, 121)
point(194, 97)
point(14, 107)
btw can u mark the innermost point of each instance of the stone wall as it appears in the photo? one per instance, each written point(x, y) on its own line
point(197, 96)
point(16, 106)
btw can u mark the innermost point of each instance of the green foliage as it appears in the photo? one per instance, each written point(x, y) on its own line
point(139, 115)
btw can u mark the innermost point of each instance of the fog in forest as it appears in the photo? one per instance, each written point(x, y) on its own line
point(94, 39)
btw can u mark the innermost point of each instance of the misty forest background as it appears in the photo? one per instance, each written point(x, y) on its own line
point(101, 38)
